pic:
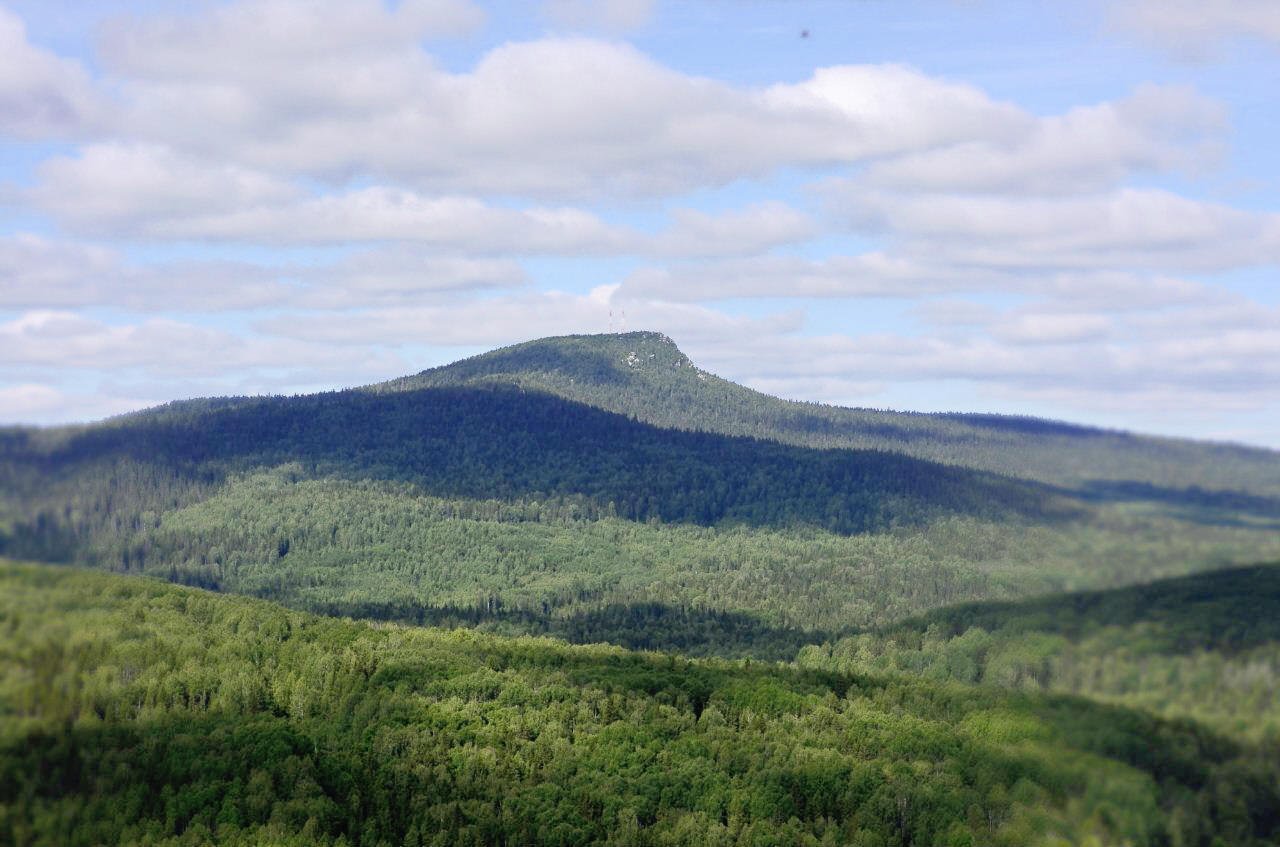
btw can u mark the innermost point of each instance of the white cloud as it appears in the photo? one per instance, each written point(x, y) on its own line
point(275, 35)
point(882, 275)
point(34, 403)
point(63, 340)
point(1053, 328)
point(874, 274)
point(499, 320)
point(35, 271)
point(894, 109)
point(746, 231)
point(1195, 29)
point(40, 273)
point(116, 188)
point(152, 192)
point(557, 117)
point(42, 95)
point(1086, 149)
point(1088, 366)
point(390, 214)
point(1116, 291)
point(1124, 229)
point(400, 276)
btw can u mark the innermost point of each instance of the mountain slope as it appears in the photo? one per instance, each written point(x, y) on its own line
point(644, 375)
point(499, 503)
point(133, 712)
point(1205, 646)
point(499, 442)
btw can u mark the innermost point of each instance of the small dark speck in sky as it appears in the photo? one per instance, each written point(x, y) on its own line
point(804, 33)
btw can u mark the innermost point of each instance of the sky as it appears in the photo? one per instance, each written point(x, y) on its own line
point(1062, 209)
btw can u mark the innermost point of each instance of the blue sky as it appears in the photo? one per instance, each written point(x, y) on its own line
point(1059, 209)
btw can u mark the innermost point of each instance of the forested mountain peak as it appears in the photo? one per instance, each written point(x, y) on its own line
point(646, 376)
point(615, 361)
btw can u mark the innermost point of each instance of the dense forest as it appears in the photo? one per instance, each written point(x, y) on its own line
point(483, 495)
point(1205, 646)
point(136, 712)
point(371, 549)
point(645, 376)
point(896, 629)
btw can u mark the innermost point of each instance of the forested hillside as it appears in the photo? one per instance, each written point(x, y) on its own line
point(1205, 646)
point(593, 490)
point(501, 442)
point(644, 375)
point(135, 712)
point(480, 495)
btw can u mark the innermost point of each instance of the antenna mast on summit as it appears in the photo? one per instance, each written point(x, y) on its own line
point(611, 320)
point(624, 321)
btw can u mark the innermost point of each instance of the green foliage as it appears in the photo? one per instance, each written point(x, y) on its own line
point(385, 550)
point(453, 497)
point(1205, 646)
point(136, 712)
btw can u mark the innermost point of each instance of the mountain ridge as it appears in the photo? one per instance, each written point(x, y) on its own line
point(645, 375)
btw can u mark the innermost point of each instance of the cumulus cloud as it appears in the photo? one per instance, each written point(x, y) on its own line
point(562, 117)
point(162, 346)
point(874, 274)
point(1053, 328)
point(1156, 129)
point(1088, 355)
point(275, 35)
point(882, 275)
point(155, 192)
point(402, 277)
point(42, 95)
point(1119, 230)
point(42, 273)
point(148, 191)
point(498, 320)
point(748, 231)
point(117, 188)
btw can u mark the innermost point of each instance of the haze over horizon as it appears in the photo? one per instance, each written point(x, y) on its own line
point(1067, 211)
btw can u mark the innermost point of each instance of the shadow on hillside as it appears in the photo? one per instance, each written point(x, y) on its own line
point(1018, 425)
point(502, 443)
point(640, 626)
point(1198, 505)
point(1228, 610)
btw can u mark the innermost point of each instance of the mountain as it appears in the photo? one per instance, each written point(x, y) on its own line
point(645, 376)
point(604, 488)
point(133, 712)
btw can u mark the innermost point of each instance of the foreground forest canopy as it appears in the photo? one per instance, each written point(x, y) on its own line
point(135, 712)
point(604, 488)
